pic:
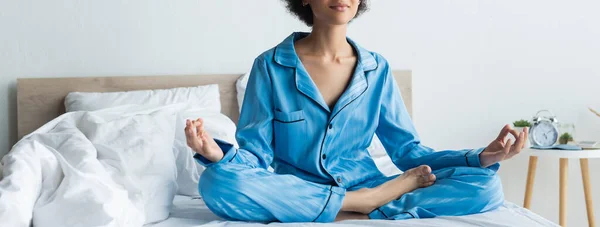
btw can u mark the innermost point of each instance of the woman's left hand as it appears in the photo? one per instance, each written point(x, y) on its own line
point(500, 149)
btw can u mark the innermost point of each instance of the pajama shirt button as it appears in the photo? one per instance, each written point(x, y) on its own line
point(324, 156)
point(330, 126)
point(339, 180)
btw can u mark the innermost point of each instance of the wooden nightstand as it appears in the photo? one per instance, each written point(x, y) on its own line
point(564, 156)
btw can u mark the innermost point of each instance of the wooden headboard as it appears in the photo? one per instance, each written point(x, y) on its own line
point(40, 100)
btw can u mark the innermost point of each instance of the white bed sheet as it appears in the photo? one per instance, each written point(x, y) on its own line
point(188, 211)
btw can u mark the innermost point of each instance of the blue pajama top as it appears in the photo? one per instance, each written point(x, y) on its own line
point(286, 123)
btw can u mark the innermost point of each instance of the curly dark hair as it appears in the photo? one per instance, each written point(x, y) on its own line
point(305, 13)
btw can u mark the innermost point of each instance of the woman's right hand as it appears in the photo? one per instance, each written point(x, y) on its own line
point(201, 142)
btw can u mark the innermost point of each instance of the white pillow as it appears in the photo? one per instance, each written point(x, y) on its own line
point(206, 96)
point(240, 87)
point(218, 126)
point(376, 149)
point(386, 166)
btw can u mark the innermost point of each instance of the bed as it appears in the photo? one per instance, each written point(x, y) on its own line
point(189, 212)
point(41, 100)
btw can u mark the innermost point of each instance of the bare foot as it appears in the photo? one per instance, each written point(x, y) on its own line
point(201, 142)
point(420, 177)
point(368, 199)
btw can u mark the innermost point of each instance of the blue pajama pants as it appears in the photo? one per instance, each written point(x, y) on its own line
point(239, 192)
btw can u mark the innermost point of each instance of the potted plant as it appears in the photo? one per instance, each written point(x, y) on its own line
point(519, 125)
point(565, 138)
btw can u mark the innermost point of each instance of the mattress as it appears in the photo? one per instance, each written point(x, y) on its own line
point(188, 211)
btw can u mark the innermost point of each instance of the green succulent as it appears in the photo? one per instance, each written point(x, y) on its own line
point(522, 123)
point(565, 138)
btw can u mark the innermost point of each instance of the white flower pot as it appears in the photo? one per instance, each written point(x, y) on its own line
point(528, 142)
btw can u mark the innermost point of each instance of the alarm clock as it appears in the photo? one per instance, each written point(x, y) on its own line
point(544, 129)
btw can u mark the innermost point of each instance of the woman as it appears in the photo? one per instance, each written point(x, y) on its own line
point(311, 108)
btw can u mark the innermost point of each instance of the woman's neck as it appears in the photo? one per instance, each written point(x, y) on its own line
point(328, 41)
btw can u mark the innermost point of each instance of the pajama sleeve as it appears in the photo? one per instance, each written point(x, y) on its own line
point(254, 131)
point(399, 137)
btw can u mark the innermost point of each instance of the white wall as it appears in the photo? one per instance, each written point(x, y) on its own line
point(477, 64)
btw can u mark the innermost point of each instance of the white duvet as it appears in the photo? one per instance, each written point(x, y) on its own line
point(112, 167)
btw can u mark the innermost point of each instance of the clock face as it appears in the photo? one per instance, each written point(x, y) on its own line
point(544, 134)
